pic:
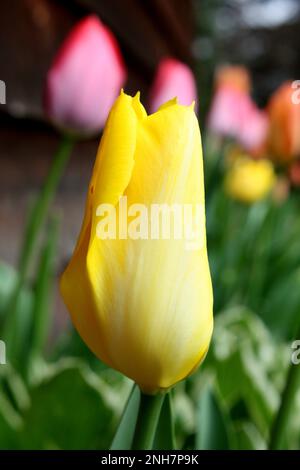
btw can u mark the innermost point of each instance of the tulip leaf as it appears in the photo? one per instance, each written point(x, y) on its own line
point(8, 277)
point(165, 433)
point(70, 409)
point(14, 400)
point(249, 438)
point(8, 434)
point(213, 428)
point(8, 280)
point(23, 313)
point(245, 355)
point(125, 432)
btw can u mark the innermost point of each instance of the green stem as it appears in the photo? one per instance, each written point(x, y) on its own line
point(36, 219)
point(34, 346)
point(148, 416)
point(43, 202)
point(286, 407)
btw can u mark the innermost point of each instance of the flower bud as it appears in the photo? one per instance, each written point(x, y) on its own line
point(249, 180)
point(284, 115)
point(233, 112)
point(85, 78)
point(142, 302)
point(173, 79)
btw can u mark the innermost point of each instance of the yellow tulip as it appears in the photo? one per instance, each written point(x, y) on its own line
point(249, 180)
point(143, 306)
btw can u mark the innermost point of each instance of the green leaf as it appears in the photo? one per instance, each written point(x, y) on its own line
point(124, 435)
point(165, 434)
point(14, 388)
point(14, 400)
point(8, 280)
point(213, 429)
point(249, 438)
point(246, 356)
point(8, 435)
point(70, 409)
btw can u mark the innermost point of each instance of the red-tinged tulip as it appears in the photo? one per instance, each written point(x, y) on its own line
point(85, 78)
point(230, 101)
point(173, 79)
point(284, 114)
point(294, 174)
point(227, 111)
point(233, 113)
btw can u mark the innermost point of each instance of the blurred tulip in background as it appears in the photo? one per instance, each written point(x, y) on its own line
point(254, 129)
point(231, 93)
point(85, 78)
point(235, 77)
point(284, 114)
point(173, 79)
point(233, 113)
point(249, 180)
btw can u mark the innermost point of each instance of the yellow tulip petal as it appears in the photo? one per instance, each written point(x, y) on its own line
point(111, 175)
point(172, 102)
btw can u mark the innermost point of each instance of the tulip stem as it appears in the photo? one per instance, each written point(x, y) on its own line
point(34, 224)
point(286, 407)
point(147, 420)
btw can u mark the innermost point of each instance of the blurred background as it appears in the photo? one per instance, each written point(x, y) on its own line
point(253, 223)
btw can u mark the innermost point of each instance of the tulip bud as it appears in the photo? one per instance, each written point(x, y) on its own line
point(142, 302)
point(173, 79)
point(235, 77)
point(284, 114)
point(224, 118)
point(249, 180)
point(234, 114)
point(85, 78)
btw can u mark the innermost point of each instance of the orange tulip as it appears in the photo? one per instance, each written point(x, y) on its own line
point(284, 114)
point(234, 76)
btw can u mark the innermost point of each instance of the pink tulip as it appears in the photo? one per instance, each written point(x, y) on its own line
point(233, 112)
point(85, 78)
point(227, 112)
point(173, 79)
point(254, 128)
